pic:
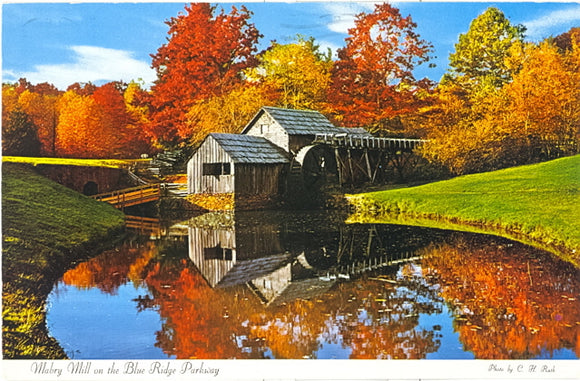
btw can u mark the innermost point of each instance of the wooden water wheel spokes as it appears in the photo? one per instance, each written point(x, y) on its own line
point(317, 162)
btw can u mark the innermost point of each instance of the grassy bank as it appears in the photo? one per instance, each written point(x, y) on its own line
point(538, 204)
point(45, 227)
point(109, 163)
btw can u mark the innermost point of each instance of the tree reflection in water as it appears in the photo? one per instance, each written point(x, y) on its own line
point(510, 301)
point(275, 292)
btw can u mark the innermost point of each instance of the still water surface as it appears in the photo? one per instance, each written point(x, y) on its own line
point(306, 285)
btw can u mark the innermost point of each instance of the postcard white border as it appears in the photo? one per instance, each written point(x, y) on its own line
point(85, 370)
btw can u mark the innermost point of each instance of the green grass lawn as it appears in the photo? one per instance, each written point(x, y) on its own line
point(538, 204)
point(45, 226)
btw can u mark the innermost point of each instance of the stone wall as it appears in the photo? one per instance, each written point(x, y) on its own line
point(87, 180)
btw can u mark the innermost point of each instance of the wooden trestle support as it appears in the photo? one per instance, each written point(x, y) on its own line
point(368, 159)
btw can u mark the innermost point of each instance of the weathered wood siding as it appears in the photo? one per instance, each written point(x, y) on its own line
point(209, 152)
point(258, 179)
point(268, 128)
point(200, 240)
point(272, 285)
point(238, 256)
point(297, 142)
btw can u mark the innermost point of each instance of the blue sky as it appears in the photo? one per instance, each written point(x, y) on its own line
point(64, 43)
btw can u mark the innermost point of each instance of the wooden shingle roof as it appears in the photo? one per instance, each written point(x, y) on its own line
point(296, 122)
point(246, 149)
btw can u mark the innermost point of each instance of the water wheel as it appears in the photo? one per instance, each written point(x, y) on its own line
point(316, 164)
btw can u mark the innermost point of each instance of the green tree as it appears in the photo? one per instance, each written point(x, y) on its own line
point(19, 136)
point(480, 55)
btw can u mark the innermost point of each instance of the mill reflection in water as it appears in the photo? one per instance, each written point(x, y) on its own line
point(306, 285)
point(281, 260)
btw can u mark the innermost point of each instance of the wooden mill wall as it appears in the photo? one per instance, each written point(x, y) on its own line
point(268, 128)
point(209, 152)
point(258, 179)
point(297, 142)
point(213, 269)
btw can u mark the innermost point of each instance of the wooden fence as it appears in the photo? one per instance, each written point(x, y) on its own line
point(130, 196)
point(149, 225)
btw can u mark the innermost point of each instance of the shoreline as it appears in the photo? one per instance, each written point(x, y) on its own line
point(36, 342)
point(46, 229)
point(536, 204)
point(479, 227)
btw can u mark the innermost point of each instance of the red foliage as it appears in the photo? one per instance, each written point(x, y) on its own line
point(203, 57)
point(372, 80)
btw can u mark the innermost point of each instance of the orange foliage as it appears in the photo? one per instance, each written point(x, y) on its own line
point(42, 110)
point(510, 302)
point(78, 131)
point(203, 58)
point(198, 321)
point(111, 269)
point(544, 107)
point(533, 117)
point(98, 125)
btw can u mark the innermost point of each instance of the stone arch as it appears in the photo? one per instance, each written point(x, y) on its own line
point(90, 188)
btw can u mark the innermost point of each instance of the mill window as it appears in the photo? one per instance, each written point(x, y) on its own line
point(217, 169)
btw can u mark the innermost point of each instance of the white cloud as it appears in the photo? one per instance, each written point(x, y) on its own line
point(90, 64)
point(342, 15)
point(325, 45)
point(542, 27)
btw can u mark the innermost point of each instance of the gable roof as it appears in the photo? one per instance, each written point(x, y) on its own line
point(296, 122)
point(246, 149)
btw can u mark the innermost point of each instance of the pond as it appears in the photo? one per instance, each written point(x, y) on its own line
point(258, 285)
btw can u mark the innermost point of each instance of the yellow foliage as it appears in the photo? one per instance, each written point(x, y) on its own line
point(213, 202)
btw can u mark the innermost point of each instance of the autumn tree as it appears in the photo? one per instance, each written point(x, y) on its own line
point(204, 56)
point(567, 41)
point(299, 73)
point(78, 131)
point(514, 103)
point(99, 124)
point(118, 121)
point(136, 105)
point(481, 53)
point(38, 102)
point(544, 102)
point(228, 113)
point(84, 88)
point(9, 100)
point(465, 135)
point(533, 118)
point(137, 109)
point(372, 80)
point(40, 106)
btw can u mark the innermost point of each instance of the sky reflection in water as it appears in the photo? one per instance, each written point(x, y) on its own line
point(271, 285)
